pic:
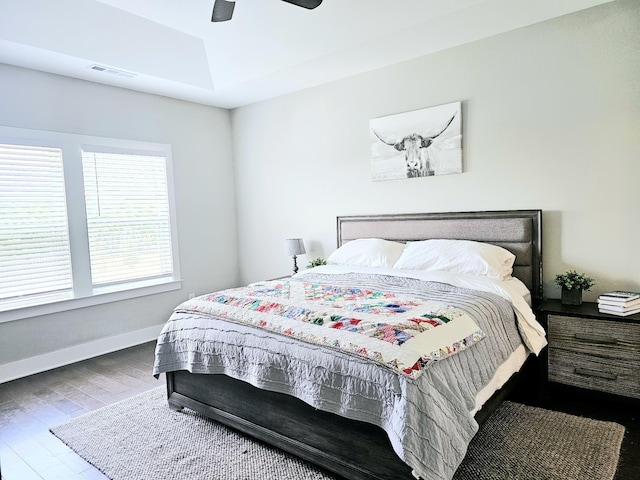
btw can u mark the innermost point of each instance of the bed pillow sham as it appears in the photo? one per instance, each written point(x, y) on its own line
point(458, 256)
point(367, 252)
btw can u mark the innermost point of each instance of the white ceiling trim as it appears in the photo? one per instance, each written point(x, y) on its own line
point(269, 48)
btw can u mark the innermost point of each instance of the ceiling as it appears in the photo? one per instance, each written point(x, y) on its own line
point(269, 48)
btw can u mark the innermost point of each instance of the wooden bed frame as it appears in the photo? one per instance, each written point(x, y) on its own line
point(352, 449)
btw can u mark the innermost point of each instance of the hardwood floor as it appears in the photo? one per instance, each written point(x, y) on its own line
point(31, 405)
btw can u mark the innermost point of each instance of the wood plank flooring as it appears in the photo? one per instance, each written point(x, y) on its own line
point(31, 405)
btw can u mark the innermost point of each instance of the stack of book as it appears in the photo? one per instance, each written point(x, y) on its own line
point(619, 302)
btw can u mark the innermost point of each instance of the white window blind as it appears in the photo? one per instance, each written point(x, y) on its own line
point(83, 221)
point(128, 218)
point(34, 238)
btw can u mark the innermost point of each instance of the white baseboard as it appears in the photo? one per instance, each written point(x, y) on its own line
point(59, 358)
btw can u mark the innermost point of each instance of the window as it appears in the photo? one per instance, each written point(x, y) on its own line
point(34, 240)
point(83, 220)
point(127, 216)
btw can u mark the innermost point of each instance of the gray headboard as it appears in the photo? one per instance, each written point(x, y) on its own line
point(519, 231)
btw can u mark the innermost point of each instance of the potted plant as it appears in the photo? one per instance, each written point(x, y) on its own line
point(572, 284)
point(317, 262)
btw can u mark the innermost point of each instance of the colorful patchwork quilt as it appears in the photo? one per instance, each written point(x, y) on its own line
point(403, 332)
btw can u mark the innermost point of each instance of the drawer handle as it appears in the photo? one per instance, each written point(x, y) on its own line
point(594, 373)
point(595, 338)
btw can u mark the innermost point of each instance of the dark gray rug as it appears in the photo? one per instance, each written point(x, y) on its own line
point(527, 443)
point(141, 438)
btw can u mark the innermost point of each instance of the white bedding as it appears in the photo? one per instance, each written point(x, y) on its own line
point(505, 371)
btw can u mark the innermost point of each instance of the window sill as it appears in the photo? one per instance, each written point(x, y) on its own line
point(98, 298)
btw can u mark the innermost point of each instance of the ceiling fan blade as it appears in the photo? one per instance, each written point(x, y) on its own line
point(310, 4)
point(222, 10)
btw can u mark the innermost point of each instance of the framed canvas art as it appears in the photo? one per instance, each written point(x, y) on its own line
point(421, 143)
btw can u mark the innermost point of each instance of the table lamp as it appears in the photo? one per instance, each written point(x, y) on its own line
point(295, 247)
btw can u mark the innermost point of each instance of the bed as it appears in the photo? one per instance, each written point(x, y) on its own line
point(360, 411)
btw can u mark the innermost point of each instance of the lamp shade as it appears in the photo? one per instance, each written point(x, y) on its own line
point(295, 246)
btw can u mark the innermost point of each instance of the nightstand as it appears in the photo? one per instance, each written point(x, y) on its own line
point(592, 350)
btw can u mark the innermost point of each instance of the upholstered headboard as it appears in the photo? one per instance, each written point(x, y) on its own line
point(519, 231)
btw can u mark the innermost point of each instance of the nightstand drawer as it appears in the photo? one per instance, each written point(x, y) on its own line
point(595, 354)
point(592, 337)
point(618, 376)
point(590, 349)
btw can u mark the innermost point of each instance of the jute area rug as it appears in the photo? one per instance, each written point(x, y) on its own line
point(142, 439)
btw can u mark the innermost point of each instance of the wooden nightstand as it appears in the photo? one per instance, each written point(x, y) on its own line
point(592, 350)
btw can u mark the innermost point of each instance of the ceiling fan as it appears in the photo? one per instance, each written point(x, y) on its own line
point(223, 9)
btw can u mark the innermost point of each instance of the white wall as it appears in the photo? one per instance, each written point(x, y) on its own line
point(206, 214)
point(551, 120)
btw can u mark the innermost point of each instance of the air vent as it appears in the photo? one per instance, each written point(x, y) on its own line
point(112, 71)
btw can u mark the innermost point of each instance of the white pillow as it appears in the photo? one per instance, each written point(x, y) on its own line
point(459, 256)
point(367, 252)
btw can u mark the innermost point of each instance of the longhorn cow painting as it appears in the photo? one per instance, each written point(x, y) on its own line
point(421, 143)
